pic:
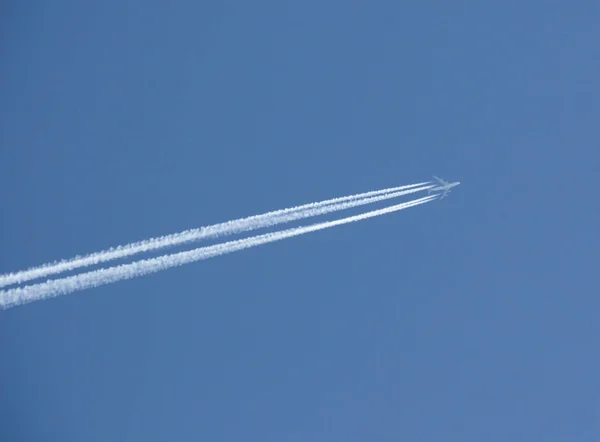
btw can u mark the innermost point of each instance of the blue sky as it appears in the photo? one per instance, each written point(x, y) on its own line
point(472, 318)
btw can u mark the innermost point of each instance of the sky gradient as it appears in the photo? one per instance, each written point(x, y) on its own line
point(468, 319)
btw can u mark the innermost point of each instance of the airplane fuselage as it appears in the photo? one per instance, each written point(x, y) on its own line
point(444, 188)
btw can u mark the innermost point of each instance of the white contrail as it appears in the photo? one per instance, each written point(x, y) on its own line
point(227, 228)
point(52, 288)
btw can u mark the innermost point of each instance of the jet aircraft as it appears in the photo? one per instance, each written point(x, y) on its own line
point(444, 186)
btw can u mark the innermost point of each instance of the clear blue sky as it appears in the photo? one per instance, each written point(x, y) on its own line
point(474, 318)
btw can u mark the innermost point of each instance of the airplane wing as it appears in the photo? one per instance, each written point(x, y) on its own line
point(441, 181)
point(445, 193)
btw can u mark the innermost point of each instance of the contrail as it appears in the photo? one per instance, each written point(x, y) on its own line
point(52, 288)
point(227, 228)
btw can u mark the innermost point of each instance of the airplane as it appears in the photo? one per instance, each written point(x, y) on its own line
point(444, 186)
